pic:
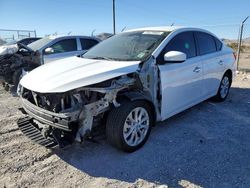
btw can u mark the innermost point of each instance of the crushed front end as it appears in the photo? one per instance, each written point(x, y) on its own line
point(63, 118)
point(12, 65)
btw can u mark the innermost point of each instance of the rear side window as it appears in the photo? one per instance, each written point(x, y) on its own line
point(66, 45)
point(206, 43)
point(87, 43)
point(218, 44)
point(27, 41)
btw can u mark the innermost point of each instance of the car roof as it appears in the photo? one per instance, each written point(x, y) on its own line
point(71, 36)
point(168, 29)
point(171, 29)
point(163, 28)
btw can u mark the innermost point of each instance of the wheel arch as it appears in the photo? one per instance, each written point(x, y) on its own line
point(138, 96)
point(229, 72)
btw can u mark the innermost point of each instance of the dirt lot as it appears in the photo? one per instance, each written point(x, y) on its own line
point(245, 61)
point(206, 146)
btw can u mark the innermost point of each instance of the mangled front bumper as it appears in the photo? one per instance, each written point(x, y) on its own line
point(74, 118)
point(61, 121)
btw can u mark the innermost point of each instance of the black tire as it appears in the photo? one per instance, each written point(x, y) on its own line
point(116, 120)
point(17, 75)
point(219, 97)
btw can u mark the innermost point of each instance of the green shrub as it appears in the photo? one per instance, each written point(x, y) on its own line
point(234, 46)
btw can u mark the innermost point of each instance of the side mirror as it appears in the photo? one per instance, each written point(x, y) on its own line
point(49, 50)
point(175, 57)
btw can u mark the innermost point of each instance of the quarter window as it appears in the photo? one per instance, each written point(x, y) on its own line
point(88, 43)
point(183, 42)
point(66, 45)
point(206, 43)
point(218, 44)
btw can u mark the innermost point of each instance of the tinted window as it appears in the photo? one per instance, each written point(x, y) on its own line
point(88, 43)
point(218, 44)
point(28, 40)
point(66, 45)
point(206, 43)
point(183, 42)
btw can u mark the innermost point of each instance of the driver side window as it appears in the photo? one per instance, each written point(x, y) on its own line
point(183, 42)
point(66, 45)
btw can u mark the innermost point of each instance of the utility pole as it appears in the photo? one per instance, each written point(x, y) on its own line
point(114, 17)
point(240, 41)
point(92, 33)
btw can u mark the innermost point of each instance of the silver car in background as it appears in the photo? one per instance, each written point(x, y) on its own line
point(26, 58)
point(56, 47)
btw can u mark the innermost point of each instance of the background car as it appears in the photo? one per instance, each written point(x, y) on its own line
point(14, 66)
point(12, 47)
point(56, 47)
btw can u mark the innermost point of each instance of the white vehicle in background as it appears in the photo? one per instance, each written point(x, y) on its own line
point(128, 82)
point(12, 47)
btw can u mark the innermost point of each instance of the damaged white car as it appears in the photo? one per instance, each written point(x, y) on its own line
point(128, 82)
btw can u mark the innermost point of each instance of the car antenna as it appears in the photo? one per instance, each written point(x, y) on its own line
point(123, 29)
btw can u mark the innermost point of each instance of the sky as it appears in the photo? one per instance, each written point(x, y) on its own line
point(222, 17)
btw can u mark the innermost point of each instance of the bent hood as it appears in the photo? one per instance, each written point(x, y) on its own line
point(74, 72)
point(8, 49)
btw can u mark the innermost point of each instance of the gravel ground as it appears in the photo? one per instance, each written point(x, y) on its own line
point(205, 146)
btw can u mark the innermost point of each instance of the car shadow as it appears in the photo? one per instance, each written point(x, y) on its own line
point(206, 145)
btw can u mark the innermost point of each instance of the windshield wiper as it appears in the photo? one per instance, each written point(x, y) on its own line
point(97, 57)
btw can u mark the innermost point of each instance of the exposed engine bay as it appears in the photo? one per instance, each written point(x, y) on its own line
point(70, 116)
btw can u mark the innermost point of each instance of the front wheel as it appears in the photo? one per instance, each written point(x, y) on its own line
point(224, 88)
point(128, 126)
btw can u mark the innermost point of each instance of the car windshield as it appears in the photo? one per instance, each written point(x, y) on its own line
point(128, 46)
point(37, 45)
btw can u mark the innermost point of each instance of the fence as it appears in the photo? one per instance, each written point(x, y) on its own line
point(7, 35)
point(230, 35)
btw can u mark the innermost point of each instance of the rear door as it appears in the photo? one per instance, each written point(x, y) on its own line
point(62, 48)
point(181, 83)
point(209, 50)
point(87, 43)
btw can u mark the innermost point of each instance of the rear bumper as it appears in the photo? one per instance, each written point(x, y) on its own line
point(58, 120)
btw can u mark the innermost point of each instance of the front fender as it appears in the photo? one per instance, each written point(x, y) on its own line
point(133, 96)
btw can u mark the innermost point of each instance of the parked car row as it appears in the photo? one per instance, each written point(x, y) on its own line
point(128, 82)
point(13, 65)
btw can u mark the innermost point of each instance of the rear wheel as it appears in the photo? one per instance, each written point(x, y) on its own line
point(224, 88)
point(128, 126)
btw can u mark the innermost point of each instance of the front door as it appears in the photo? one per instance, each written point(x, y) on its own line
point(181, 83)
point(62, 49)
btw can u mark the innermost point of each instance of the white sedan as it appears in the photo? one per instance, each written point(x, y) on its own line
point(128, 82)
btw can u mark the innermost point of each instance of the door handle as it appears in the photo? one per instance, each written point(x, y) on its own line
point(220, 62)
point(197, 69)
